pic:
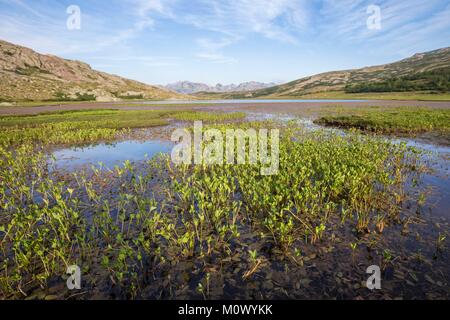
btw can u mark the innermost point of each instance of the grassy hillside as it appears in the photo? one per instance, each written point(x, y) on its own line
point(424, 73)
point(435, 80)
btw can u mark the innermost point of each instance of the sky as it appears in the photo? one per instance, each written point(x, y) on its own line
point(226, 41)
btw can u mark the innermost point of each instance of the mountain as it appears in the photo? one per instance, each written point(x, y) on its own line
point(28, 75)
point(187, 87)
point(423, 71)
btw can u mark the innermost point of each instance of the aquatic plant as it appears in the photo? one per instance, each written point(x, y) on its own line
point(394, 120)
point(132, 227)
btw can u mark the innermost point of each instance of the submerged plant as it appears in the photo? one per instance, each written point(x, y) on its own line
point(440, 242)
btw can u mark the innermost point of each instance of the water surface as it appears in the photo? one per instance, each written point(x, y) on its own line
point(109, 154)
point(234, 101)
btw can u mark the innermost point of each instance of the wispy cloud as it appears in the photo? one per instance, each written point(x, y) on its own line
point(407, 37)
point(23, 5)
point(135, 34)
point(298, 22)
point(293, 22)
point(45, 29)
point(232, 21)
point(216, 58)
point(275, 19)
point(346, 19)
point(148, 61)
point(211, 50)
point(135, 58)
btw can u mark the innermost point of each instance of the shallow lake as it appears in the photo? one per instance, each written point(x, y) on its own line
point(247, 101)
point(112, 154)
point(335, 269)
point(437, 180)
point(109, 154)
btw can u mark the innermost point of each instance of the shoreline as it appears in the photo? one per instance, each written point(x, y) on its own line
point(290, 107)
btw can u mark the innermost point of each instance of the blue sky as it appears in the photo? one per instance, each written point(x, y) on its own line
point(212, 41)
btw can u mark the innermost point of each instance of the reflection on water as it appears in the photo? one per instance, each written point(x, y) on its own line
point(109, 155)
point(230, 101)
point(437, 158)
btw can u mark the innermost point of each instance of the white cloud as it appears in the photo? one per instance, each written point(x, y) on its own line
point(24, 6)
point(210, 50)
point(149, 61)
point(275, 19)
point(216, 58)
point(44, 29)
point(144, 7)
point(214, 45)
point(407, 38)
point(346, 19)
point(281, 20)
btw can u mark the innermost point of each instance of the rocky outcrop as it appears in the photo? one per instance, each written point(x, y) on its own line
point(28, 75)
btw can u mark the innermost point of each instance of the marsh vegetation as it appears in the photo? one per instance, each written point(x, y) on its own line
point(406, 121)
point(152, 229)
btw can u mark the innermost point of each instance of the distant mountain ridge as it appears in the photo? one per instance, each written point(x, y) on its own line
point(28, 75)
point(423, 70)
point(187, 87)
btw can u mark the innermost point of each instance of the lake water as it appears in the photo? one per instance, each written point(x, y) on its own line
point(110, 154)
point(231, 101)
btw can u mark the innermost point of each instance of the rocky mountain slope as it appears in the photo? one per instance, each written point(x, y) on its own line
point(188, 87)
point(28, 75)
point(415, 69)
